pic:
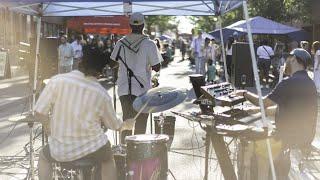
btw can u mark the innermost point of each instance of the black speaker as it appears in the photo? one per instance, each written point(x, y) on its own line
point(241, 65)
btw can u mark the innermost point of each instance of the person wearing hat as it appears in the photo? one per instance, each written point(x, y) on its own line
point(136, 56)
point(294, 102)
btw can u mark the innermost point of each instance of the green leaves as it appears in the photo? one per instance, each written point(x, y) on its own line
point(284, 11)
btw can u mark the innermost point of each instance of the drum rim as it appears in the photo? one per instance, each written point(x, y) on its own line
point(160, 138)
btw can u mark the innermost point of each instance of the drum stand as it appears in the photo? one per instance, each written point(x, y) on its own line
point(31, 173)
point(161, 122)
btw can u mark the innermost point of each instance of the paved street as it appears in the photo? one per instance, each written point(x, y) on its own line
point(186, 156)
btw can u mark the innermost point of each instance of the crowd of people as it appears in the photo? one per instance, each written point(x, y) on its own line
point(270, 58)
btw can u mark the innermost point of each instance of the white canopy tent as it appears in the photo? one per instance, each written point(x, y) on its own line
point(119, 7)
point(261, 25)
point(42, 8)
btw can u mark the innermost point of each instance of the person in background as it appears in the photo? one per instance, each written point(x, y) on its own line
point(77, 51)
point(142, 56)
point(211, 71)
point(65, 52)
point(277, 62)
point(316, 68)
point(229, 54)
point(107, 49)
point(293, 45)
point(168, 52)
point(158, 43)
point(305, 45)
point(214, 50)
point(183, 48)
point(197, 49)
point(265, 54)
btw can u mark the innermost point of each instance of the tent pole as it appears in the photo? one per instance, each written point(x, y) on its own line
point(31, 168)
point(223, 50)
point(257, 81)
point(35, 78)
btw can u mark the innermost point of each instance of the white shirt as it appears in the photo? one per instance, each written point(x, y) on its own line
point(140, 63)
point(209, 53)
point(197, 46)
point(79, 105)
point(77, 49)
point(264, 52)
point(229, 50)
point(65, 52)
point(316, 59)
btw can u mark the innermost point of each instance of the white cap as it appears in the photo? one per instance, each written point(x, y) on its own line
point(136, 19)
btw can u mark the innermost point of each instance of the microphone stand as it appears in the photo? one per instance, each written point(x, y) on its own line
point(129, 70)
point(115, 100)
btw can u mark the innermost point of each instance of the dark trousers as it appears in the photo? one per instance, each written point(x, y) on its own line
point(228, 63)
point(264, 68)
point(129, 112)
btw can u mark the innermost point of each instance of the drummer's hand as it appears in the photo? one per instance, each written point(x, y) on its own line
point(240, 92)
point(128, 124)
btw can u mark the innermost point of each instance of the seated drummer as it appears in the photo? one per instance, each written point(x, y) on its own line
point(296, 107)
point(79, 106)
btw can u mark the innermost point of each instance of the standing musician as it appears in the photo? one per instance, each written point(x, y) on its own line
point(137, 55)
point(79, 106)
point(296, 109)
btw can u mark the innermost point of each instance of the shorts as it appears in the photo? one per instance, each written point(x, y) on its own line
point(101, 155)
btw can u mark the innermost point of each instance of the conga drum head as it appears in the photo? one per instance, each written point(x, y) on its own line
point(147, 138)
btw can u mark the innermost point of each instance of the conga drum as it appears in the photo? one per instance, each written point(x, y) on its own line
point(147, 157)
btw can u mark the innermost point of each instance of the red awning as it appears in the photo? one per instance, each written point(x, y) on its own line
point(100, 25)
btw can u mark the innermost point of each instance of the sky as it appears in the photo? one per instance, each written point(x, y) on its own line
point(185, 25)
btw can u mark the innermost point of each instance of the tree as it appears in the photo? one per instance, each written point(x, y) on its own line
point(282, 10)
point(205, 23)
point(278, 10)
point(163, 22)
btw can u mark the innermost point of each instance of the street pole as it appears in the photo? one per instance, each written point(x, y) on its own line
point(258, 87)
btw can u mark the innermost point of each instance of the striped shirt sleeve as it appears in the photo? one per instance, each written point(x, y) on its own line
point(108, 115)
point(46, 99)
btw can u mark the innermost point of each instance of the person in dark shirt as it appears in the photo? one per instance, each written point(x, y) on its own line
point(295, 102)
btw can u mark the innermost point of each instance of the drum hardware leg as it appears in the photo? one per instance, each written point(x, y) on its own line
point(207, 144)
point(241, 160)
point(151, 124)
point(161, 122)
point(224, 160)
point(130, 175)
point(115, 102)
point(72, 173)
point(171, 173)
point(31, 155)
